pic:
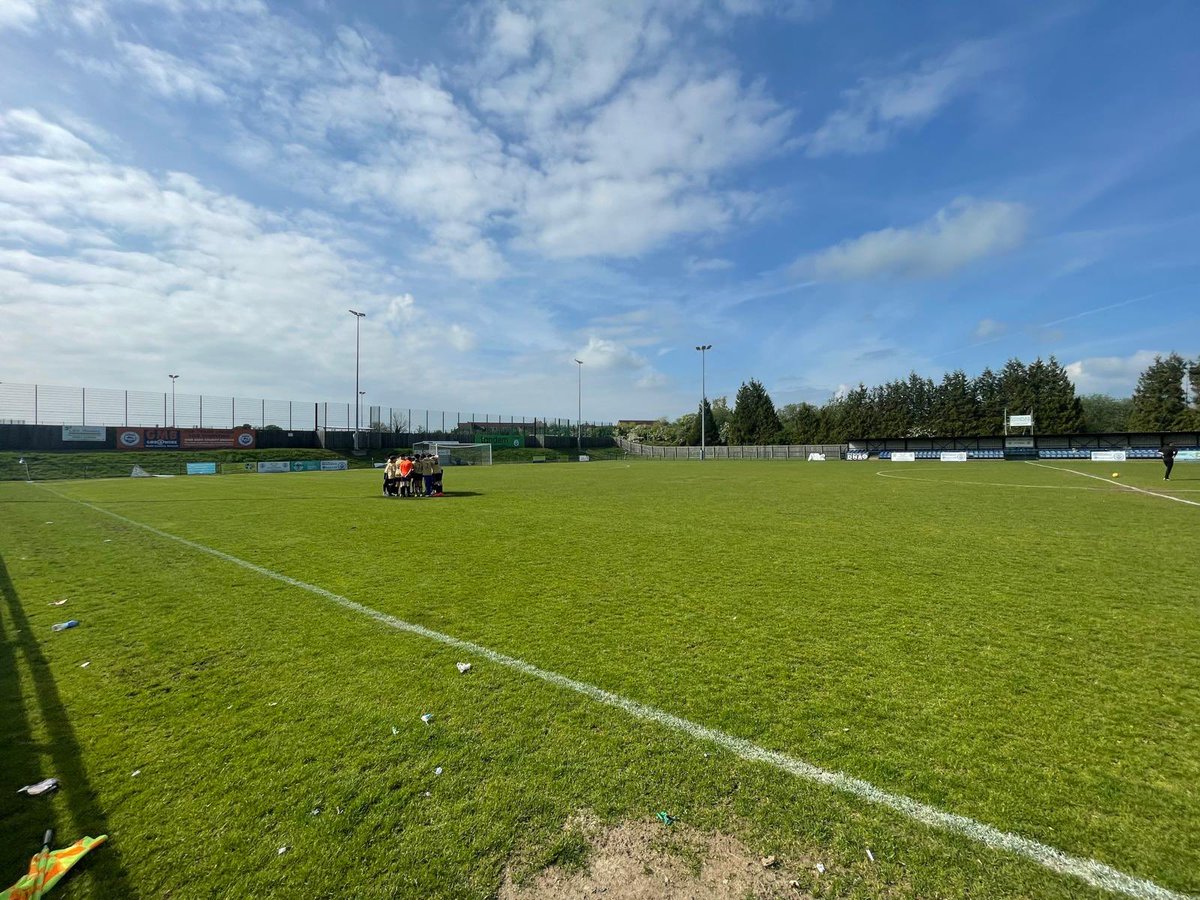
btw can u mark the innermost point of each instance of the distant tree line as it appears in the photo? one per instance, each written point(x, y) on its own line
point(1167, 398)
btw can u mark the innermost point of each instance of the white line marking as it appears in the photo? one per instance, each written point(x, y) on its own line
point(1128, 487)
point(1094, 873)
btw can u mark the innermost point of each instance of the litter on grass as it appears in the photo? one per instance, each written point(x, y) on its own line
point(63, 626)
point(768, 861)
point(463, 668)
point(437, 771)
point(135, 773)
point(666, 818)
point(284, 849)
point(58, 602)
point(42, 787)
point(427, 718)
point(84, 665)
point(395, 730)
point(821, 868)
point(870, 855)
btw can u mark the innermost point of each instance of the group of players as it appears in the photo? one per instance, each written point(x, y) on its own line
point(412, 476)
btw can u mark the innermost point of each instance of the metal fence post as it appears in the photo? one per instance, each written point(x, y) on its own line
point(83, 405)
point(263, 417)
point(35, 399)
point(201, 410)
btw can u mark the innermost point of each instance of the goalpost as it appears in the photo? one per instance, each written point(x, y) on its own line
point(453, 453)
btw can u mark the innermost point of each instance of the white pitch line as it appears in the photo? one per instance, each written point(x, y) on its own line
point(1042, 487)
point(1094, 873)
point(1128, 487)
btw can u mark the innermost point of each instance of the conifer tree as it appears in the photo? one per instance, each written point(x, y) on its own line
point(1159, 403)
point(754, 418)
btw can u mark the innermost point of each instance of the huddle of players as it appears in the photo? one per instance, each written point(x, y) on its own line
point(412, 476)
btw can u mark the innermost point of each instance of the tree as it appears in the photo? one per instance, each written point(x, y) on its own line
point(954, 407)
point(801, 423)
point(712, 433)
point(1159, 403)
point(989, 398)
point(1104, 414)
point(1015, 393)
point(754, 418)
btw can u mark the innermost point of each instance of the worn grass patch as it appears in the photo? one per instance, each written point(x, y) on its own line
point(1014, 644)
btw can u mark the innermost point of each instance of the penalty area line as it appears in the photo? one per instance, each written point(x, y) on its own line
point(1094, 873)
point(1128, 487)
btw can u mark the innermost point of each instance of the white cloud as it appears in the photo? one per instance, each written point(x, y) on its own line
point(959, 234)
point(1114, 375)
point(167, 75)
point(695, 266)
point(18, 13)
point(989, 328)
point(652, 380)
point(603, 354)
point(879, 108)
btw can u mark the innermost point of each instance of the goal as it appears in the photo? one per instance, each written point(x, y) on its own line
point(452, 453)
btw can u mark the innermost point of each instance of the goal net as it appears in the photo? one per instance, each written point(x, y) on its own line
point(452, 453)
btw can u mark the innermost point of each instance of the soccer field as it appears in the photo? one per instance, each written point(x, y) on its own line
point(1013, 644)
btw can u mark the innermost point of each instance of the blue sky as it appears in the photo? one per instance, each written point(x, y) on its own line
point(827, 192)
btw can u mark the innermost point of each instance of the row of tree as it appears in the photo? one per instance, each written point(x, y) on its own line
point(1167, 398)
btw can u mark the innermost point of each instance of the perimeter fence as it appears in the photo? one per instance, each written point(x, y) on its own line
point(40, 404)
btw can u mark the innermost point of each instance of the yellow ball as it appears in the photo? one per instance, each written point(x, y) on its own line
point(1116, 475)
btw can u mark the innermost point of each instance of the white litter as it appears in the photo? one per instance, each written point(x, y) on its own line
point(273, 703)
point(42, 787)
point(463, 667)
point(84, 665)
point(821, 868)
point(427, 718)
point(284, 849)
point(437, 771)
point(870, 855)
point(135, 773)
point(395, 730)
point(58, 602)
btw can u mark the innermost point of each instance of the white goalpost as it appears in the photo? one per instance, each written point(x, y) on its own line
point(453, 453)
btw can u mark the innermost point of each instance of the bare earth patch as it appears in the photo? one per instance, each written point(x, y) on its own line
point(647, 859)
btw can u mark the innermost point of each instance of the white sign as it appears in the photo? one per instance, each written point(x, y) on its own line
point(1020, 421)
point(1108, 456)
point(954, 456)
point(816, 457)
point(906, 456)
point(858, 455)
point(585, 458)
point(335, 465)
point(274, 467)
point(83, 432)
point(1019, 442)
point(1188, 456)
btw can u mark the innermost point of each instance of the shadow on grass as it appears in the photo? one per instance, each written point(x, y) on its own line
point(442, 497)
point(24, 759)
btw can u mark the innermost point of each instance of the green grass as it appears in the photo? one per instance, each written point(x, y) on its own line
point(1010, 643)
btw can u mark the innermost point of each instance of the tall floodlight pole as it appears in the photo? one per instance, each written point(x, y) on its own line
point(172, 377)
point(579, 414)
point(361, 394)
point(358, 317)
point(703, 348)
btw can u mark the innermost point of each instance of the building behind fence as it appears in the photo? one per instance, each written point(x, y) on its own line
point(40, 404)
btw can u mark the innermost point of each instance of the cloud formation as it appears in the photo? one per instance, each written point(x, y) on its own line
point(1113, 375)
point(878, 109)
point(959, 234)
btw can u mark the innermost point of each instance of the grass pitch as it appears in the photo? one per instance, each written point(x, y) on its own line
point(1015, 644)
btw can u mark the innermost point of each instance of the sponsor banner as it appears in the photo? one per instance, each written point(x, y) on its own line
point(953, 456)
point(274, 467)
point(858, 456)
point(499, 441)
point(816, 457)
point(334, 465)
point(1188, 456)
point(903, 456)
point(84, 432)
point(306, 465)
point(1022, 442)
point(202, 468)
point(185, 438)
point(1108, 456)
point(1020, 421)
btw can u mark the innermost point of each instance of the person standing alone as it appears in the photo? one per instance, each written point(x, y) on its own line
point(1168, 457)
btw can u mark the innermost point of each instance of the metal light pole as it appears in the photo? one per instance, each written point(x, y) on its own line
point(361, 394)
point(579, 415)
point(172, 377)
point(358, 317)
point(703, 348)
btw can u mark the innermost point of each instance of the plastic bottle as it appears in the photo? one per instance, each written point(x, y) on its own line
point(63, 626)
